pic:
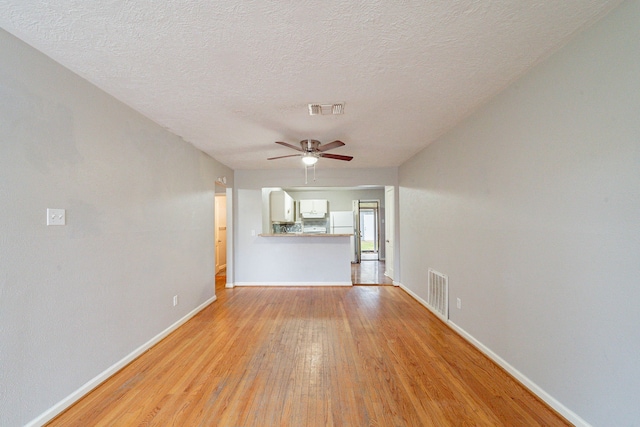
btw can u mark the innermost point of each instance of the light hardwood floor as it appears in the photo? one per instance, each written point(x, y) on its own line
point(337, 356)
point(369, 273)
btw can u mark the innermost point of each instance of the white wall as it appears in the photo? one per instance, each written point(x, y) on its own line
point(75, 300)
point(257, 258)
point(532, 207)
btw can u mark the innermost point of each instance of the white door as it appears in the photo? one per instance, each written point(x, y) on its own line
point(356, 231)
point(221, 232)
point(389, 227)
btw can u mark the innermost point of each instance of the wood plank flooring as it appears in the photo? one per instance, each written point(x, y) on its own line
point(369, 273)
point(330, 356)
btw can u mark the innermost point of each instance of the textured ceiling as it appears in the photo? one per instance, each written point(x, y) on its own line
point(232, 77)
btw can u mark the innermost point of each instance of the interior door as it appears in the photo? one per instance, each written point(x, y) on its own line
point(357, 233)
point(389, 227)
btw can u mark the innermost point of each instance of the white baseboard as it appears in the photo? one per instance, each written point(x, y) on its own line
point(293, 284)
point(423, 302)
point(229, 285)
point(571, 416)
point(59, 407)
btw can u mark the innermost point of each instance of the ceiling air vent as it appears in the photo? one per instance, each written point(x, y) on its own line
point(326, 109)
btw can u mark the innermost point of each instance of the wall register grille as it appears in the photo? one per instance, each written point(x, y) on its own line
point(326, 109)
point(438, 293)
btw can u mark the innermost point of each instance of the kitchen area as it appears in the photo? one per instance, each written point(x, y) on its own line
point(304, 238)
point(328, 212)
point(306, 216)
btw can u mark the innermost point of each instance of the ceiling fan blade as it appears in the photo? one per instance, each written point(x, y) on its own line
point(336, 156)
point(289, 145)
point(282, 157)
point(330, 146)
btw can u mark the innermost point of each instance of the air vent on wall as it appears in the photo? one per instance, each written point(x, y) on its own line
point(438, 293)
point(326, 109)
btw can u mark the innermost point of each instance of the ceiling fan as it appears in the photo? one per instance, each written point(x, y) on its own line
point(312, 150)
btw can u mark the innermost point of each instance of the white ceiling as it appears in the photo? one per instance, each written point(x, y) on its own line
point(232, 77)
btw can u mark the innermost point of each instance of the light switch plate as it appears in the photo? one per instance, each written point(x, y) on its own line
point(56, 217)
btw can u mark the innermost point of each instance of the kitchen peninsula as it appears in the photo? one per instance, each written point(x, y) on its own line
point(299, 259)
point(302, 251)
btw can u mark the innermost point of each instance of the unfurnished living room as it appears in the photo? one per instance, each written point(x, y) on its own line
point(311, 214)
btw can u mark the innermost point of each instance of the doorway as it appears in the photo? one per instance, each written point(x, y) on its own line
point(369, 267)
point(369, 230)
point(220, 231)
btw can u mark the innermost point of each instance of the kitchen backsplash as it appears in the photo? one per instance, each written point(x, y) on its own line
point(287, 228)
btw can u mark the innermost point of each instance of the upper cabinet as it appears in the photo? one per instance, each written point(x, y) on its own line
point(282, 207)
point(313, 208)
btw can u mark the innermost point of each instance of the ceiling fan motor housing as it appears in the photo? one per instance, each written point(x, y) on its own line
point(310, 145)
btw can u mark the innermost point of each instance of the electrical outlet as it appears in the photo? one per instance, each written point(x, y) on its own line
point(458, 303)
point(175, 300)
point(56, 217)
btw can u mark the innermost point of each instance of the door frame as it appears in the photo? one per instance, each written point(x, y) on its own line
point(220, 197)
point(220, 226)
point(389, 230)
point(357, 207)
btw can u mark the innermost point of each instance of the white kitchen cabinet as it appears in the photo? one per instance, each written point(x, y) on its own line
point(313, 208)
point(282, 207)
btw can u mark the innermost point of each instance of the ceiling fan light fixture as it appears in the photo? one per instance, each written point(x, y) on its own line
point(309, 159)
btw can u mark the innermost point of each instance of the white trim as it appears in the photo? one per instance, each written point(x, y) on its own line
point(229, 285)
point(59, 407)
point(423, 302)
point(571, 416)
point(293, 284)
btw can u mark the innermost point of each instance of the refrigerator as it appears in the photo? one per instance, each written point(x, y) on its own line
point(341, 222)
